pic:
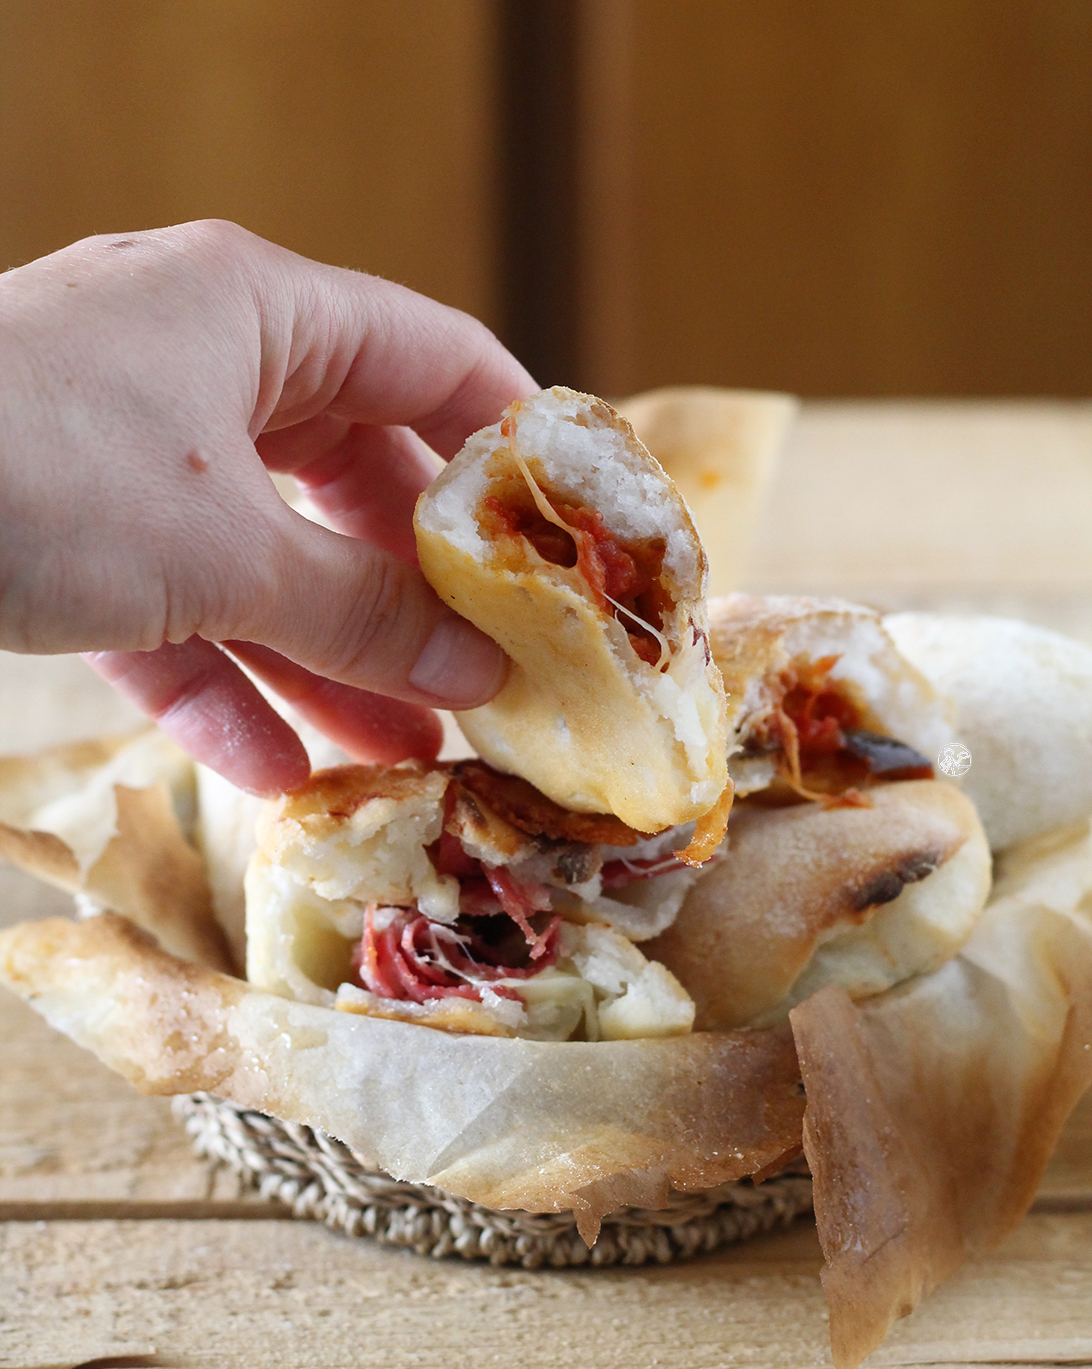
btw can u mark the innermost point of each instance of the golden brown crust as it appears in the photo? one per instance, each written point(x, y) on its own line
point(337, 794)
point(792, 876)
point(521, 804)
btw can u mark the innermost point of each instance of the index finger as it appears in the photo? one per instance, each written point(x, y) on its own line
point(367, 350)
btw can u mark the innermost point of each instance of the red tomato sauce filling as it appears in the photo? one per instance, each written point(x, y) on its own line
point(626, 572)
point(818, 730)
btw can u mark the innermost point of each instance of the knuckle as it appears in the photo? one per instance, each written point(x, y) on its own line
point(218, 237)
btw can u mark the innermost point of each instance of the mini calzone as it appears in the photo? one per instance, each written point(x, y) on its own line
point(820, 700)
point(460, 898)
point(1023, 709)
point(813, 894)
point(558, 535)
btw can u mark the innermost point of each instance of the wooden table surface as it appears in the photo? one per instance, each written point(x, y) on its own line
point(120, 1248)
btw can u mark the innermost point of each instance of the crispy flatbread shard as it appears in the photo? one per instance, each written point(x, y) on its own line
point(721, 448)
point(100, 819)
point(512, 1124)
point(809, 895)
point(558, 535)
point(933, 1109)
point(1023, 708)
point(803, 661)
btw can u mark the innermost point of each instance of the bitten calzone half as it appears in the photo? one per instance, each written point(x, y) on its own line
point(558, 535)
point(813, 894)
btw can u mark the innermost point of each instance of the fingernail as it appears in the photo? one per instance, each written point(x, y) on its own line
point(460, 667)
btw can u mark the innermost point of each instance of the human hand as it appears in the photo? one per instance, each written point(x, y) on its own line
point(148, 384)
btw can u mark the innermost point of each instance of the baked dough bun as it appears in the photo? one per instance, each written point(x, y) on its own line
point(811, 895)
point(605, 710)
point(1023, 708)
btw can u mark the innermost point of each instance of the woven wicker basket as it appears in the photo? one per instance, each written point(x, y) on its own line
point(322, 1179)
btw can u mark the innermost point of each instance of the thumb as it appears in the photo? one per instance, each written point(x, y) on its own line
point(349, 611)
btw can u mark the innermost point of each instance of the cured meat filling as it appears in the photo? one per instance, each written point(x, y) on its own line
point(505, 929)
point(824, 748)
point(403, 955)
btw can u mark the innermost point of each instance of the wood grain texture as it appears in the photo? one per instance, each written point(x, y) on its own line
point(361, 135)
point(228, 1293)
point(962, 507)
point(77, 1138)
point(233, 1294)
point(847, 198)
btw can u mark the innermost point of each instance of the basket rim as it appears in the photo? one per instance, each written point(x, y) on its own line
point(321, 1178)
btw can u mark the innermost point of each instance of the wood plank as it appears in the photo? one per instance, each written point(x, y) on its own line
point(75, 1138)
point(972, 507)
point(209, 1293)
point(202, 1293)
point(989, 496)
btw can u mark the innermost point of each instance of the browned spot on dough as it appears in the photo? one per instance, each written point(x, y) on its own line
point(889, 884)
point(196, 461)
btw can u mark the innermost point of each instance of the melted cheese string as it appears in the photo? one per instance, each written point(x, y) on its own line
point(789, 766)
point(508, 430)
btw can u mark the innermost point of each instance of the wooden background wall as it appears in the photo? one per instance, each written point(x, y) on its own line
point(361, 134)
point(838, 197)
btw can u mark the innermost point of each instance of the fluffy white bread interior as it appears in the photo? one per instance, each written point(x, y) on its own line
point(360, 833)
point(582, 716)
point(1023, 708)
point(758, 641)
